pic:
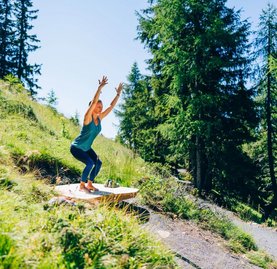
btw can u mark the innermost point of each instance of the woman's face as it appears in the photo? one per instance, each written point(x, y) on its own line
point(98, 109)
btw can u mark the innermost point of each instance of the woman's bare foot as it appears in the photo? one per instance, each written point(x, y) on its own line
point(84, 188)
point(91, 187)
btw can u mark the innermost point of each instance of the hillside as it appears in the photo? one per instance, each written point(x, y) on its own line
point(34, 155)
point(37, 136)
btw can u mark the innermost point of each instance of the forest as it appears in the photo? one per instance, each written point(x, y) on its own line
point(209, 103)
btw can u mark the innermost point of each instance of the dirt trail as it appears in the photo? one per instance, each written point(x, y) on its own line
point(265, 237)
point(194, 247)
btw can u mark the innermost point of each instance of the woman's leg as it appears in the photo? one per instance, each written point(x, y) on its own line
point(95, 169)
point(94, 172)
point(85, 158)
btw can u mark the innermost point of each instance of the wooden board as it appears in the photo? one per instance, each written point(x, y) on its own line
point(104, 193)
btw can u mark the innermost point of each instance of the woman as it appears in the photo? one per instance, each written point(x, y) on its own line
point(81, 146)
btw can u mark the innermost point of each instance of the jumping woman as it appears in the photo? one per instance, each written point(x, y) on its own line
point(81, 146)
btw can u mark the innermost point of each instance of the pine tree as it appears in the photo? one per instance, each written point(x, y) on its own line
point(199, 70)
point(266, 44)
point(76, 119)
point(128, 113)
point(133, 106)
point(6, 38)
point(25, 43)
point(136, 114)
point(52, 99)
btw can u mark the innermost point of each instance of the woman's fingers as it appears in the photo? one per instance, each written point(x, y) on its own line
point(103, 82)
point(119, 88)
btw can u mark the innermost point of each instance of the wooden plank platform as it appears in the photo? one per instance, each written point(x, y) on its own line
point(104, 194)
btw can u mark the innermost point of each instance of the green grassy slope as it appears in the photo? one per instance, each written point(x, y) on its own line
point(36, 136)
point(34, 152)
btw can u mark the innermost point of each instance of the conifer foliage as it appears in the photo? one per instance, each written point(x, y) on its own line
point(201, 110)
point(6, 38)
point(266, 52)
point(17, 43)
point(136, 113)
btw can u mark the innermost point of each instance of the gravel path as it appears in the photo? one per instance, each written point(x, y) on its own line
point(194, 247)
point(265, 237)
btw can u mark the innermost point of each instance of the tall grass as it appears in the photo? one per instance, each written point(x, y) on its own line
point(9, 258)
point(38, 137)
point(70, 236)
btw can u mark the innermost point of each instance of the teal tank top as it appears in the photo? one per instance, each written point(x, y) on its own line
point(88, 133)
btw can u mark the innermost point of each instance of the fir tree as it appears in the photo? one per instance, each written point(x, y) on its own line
point(128, 112)
point(52, 99)
point(76, 119)
point(25, 43)
point(200, 67)
point(266, 45)
point(6, 38)
point(136, 114)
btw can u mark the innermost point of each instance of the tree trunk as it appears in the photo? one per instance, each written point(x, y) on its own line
point(22, 33)
point(207, 175)
point(199, 178)
point(269, 208)
point(192, 162)
point(3, 48)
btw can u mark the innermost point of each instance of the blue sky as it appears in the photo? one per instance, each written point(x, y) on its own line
point(83, 40)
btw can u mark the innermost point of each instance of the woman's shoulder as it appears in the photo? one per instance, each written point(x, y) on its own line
point(87, 120)
point(85, 124)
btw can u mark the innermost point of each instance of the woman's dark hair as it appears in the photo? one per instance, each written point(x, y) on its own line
point(99, 101)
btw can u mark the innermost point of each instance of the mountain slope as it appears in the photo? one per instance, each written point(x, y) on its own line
point(34, 156)
point(34, 151)
point(38, 136)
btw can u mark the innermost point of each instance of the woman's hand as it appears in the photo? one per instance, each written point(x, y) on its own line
point(119, 88)
point(114, 101)
point(102, 82)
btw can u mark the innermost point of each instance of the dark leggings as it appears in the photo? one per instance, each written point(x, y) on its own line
point(90, 159)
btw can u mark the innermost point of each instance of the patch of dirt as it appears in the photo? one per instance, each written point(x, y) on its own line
point(46, 167)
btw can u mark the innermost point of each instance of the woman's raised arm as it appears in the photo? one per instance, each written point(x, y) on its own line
point(88, 115)
point(113, 103)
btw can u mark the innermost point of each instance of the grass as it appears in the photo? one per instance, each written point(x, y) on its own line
point(248, 213)
point(244, 211)
point(38, 137)
point(9, 258)
point(69, 236)
point(261, 259)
